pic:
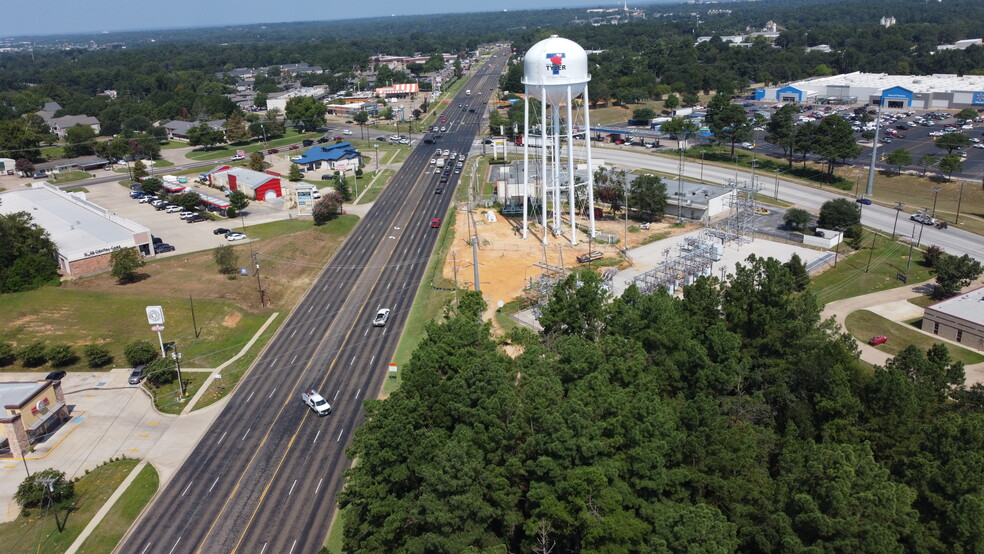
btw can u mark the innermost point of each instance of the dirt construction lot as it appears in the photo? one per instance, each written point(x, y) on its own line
point(506, 261)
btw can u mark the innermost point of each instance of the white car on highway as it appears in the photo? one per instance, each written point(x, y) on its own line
point(346, 132)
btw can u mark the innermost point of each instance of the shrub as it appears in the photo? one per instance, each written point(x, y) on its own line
point(97, 356)
point(932, 256)
point(161, 371)
point(7, 354)
point(139, 352)
point(34, 354)
point(32, 494)
point(61, 355)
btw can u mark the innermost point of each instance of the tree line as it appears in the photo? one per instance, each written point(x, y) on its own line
point(731, 419)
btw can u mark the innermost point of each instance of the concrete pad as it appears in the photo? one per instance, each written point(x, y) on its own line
point(900, 310)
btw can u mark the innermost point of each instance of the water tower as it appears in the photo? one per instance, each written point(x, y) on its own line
point(555, 74)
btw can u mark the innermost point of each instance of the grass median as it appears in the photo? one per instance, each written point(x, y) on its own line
point(124, 512)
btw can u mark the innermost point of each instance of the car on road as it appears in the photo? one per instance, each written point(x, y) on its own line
point(186, 215)
point(237, 158)
point(163, 248)
point(196, 218)
point(863, 200)
point(272, 151)
point(293, 147)
point(326, 177)
point(323, 140)
point(347, 132)
point(171, 208)
point(55, 375)
point(435, 223)
point(747, 145)
point(316, 402)
point(137, 374)
point(234, 236)
point(382, 316)
point(307, 142)
point(221, 231)
point(922, 218)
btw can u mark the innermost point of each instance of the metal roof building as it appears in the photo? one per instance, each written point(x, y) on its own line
point(960, 319)
point(85, 234)
point(938, 91)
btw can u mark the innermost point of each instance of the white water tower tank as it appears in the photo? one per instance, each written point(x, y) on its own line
point(556, 63)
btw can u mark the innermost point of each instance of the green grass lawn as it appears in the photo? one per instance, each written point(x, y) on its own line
point(377, 186)
point(290, 137)
point(52, 152)
point(37, 531)
point(124, 512)
point(163, 163)
point(167, 398)
point(849, 278)
point(864, 324)
point(69, 176)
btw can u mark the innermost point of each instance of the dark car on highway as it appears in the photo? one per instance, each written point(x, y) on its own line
point(865, 201)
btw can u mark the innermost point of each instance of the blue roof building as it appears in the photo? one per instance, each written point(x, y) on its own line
point(341, 156)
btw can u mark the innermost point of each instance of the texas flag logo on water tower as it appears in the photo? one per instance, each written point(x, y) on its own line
point(556, 62)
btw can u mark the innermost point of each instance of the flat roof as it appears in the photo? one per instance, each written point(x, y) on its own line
point(939, 82)
point(968, 306)
point(14, 395)
point(79, 228)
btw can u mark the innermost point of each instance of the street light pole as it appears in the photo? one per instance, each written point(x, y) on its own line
point(176, 356)
point(959, 201)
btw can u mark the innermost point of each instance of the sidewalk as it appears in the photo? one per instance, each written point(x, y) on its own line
point(893, 304)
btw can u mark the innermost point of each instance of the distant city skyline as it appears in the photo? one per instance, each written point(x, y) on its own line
point(58, 17)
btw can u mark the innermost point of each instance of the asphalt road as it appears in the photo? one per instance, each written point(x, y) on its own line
point(264, 477)
point(953, 240)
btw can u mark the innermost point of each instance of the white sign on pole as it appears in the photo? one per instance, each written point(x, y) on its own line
point(155, 315)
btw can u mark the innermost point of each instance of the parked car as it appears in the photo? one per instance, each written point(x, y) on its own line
point(875, 341)
point(171, 208)
point(196, 218)
point(162, 248)
point(221, 231)
point(235, 236)
point(272, 151)
point(382, 316)
point(136, 194)
point(186, 215)
point(55, 375)
point(307, 142)
point(137, 374)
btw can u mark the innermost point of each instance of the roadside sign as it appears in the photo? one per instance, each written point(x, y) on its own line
point(157, 328)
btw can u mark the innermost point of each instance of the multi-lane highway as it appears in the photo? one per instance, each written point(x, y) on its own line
point(264, 477)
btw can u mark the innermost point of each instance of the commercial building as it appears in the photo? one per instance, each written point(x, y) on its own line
point(336, 157)
point(938, 91)
point(279, 100)
point(85, 234)
point(256, 185)
point(30, 411)
point(960, 319)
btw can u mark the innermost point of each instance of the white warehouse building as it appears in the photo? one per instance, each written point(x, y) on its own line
point(938, 91)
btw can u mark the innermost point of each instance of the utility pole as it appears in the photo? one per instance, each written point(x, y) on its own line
point(176, 356)
point(256, 264)
point(870, 190)
point(871, 252)
point(898, 208)
point(936, 193)
point(454, 269)
point(959, 201)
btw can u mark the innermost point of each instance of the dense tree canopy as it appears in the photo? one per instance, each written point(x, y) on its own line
point(27, 254)
point(733, 419)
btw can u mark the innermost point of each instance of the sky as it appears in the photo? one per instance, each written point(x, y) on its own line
point(86, 16)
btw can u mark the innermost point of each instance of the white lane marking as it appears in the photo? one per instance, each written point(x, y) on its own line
point(294, 359)
point(271, 392)
point(339, 436)
point(336, 395)
point(366, 333)
point(324, 288)
point(247, 433)
point(363, 250)
point(373, 359)
point(175, 545)
point(250, 396)
point(213, 484)
point(262, 550)
point(353, 360)
point(388, 285)
point(186, 489)
point(222, 437)
point(316, 489)
point(328, 306)
point(145, 548)
point(358, 392)
point(340, 285)
point(292, 333)
point(292, 547)
point(294, 484)
point(311, 307)
point(311, 332)
point(316, 437)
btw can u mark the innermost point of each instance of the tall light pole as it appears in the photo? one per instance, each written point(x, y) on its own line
point(959, 201)
point(176, 356)
point(870, 189)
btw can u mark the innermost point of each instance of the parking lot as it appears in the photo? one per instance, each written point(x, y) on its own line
point(169, 227)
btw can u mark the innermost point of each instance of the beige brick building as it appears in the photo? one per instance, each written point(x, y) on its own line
point(960, 319)
point(30, 411)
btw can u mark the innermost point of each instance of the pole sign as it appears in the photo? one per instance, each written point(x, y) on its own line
point(155, 315)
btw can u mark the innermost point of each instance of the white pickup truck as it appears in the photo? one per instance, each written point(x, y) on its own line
point(316, 402)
